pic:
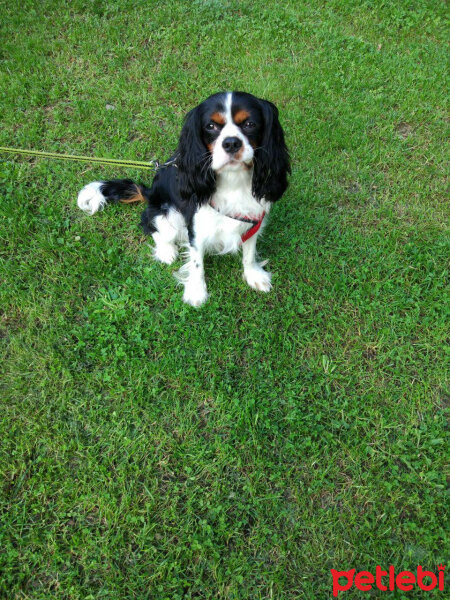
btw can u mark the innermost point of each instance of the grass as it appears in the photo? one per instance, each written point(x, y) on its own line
point(154, 451)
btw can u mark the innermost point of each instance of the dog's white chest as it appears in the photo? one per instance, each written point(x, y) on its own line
point(233, 198)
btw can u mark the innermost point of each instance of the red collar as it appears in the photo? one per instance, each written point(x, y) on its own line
point(256, 225)
point(254, 221)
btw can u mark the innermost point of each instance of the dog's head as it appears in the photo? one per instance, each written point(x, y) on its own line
point(233, 131)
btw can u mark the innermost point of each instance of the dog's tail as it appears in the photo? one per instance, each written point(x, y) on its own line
point(94, 196)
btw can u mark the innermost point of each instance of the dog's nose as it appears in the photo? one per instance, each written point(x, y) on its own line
point(231, 144)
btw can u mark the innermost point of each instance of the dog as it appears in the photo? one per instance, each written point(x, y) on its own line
point(214, 193)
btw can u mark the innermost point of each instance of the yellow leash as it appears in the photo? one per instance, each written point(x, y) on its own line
point(103, 161)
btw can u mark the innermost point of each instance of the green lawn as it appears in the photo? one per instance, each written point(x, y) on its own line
point(240, 451)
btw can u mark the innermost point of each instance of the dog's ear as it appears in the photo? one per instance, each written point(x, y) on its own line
point(271, 165)
point(196, 178)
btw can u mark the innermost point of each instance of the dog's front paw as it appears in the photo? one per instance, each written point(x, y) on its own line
point(195, 295)
point(257, 278)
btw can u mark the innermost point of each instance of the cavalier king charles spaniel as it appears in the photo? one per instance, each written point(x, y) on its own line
point(214, 193)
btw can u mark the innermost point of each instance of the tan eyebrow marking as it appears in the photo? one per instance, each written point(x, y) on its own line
point(241, 116)
point(218, 118)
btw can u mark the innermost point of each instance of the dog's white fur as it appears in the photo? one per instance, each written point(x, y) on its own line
point(90, 199)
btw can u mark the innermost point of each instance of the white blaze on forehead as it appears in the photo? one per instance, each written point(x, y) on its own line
point(228, 103)
point(230, 129)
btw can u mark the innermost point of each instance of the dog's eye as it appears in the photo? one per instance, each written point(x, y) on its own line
point(249, 124)
point(211, 126)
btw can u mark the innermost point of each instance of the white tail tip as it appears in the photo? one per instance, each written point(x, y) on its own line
point(90, 198)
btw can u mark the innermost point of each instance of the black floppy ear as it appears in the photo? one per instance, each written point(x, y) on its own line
point(271, 164)
point(197, 180)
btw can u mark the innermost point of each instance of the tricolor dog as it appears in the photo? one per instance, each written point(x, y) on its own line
point(214, 193)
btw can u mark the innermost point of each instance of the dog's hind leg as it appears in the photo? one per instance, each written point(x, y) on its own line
point(166, 235)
